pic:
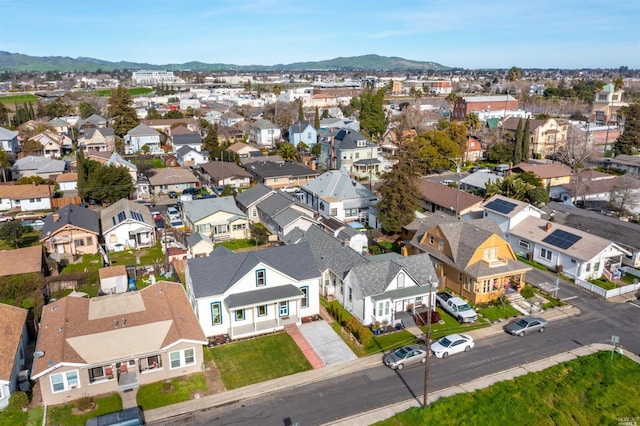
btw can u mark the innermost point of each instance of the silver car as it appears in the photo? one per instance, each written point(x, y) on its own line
point(526, 325)
point(405, 355)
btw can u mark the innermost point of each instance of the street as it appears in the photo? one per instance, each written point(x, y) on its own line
point(352, 393)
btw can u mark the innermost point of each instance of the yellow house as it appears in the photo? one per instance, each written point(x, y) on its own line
point(219, 218)
point(551, 174)
point(470, 258)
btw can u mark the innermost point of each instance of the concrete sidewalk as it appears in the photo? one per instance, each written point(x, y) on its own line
point(320, 374)
point(383, 413)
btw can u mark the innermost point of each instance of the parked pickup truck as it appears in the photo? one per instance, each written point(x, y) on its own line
point(456, 306)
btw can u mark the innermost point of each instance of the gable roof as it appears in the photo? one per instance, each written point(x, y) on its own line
point(447, 197)
point(511, 123)
point(339, 185)
point(196, 237)
point(241, 146)
point(39, 164)
point(218, 273)
point(117, 160)
point(190, 138)
point(21, 261)
point(196, 210)
point(220, 170)
point(480, 179)
point(263, 124)
point(544, 171)
point(20, 192)
point(74, 215)
point(252, 195)
point(497, 200)
point(143, 130)
point(102, 329)
point(269, 169)
point(172, 176)
point(13, 321)
point(67, 177)
point(299, 126)
point(348, 139)
point(274, 203)
point(104, 131)
point(7, 135)
point(125, 210)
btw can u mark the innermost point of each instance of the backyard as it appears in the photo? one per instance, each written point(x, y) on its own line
point(27, 239)
point(590, 390)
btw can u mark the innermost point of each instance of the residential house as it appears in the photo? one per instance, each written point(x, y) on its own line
point(332, 123)
point(127, 225)
point(335, 194)
point(436, 197)
point(303, 131)
point(551, 174)
point(52, 144)
point(222, 173)
point(622, 233)
point(100, 345)
point(99, 157)
point(102, 139)
point(113, 279)
point(605, 105)
point(142, 136)
point(260, 157)
point(248, 200)
point(281, 174)
point(350, 150)
point(199, 245)
point(68, 181)
point(27, 260)
point(13, 351)
point(264, 133)
point(252, 293)
point(628, 163)
point(25, 198)
point(189, 157)
point(116, 160)
point(9, 141)
point(60, 126)
point(172, 179)
point(470, 257)
point(280, 213)
point(546, 137)
point(465, 105)
point(587, 185)
point(473, 150)
point(166, 125)
point(71, 231)
point(31, 165)
point(243, 150)
point(94, 121)
point(477, 182)
point(345, 233)
point(507, 212)
point(230, 118)
point(181, 136)
point(218, 217)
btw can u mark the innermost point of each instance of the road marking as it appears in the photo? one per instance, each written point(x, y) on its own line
point(634, 304)
point(569, 298)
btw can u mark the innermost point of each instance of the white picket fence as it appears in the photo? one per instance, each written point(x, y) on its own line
point(607, 293)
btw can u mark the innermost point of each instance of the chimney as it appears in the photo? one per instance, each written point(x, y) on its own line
point(56, 217)
point(547, 226)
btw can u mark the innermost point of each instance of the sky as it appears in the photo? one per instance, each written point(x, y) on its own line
point(456, 33)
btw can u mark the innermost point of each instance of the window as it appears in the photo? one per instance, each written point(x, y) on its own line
point(350, 212)
point(254, 212)
point(602, 97)
point(490, 253)
point(468, 283)
point(614, 97)
point(380, 308)
point(596, 267)
point(431, 239)
point(524, 244)
point(182, 358)
point(216, 313)
point(305, 299)
point(441, 245)
point(400, 280)
point(350, 296)
point(341, 288)
point(221, 229)
point(262, 310)
point(240, 315)
point(545, 254)
point(32, 200)
point(588, 267)
point(333, 212)
point(261, 278)
point(387, 306)
point(460, 277)
point(89, 241)
point(78, 243)
point(283, 308)
point(239, 227)
point(64, 381)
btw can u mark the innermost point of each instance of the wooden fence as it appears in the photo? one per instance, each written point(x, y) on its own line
point(57, 203)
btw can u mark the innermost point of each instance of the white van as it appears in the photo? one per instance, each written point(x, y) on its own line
point(501, 169)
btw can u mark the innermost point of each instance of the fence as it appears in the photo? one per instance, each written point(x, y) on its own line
point(57, 203)
point(607, 293)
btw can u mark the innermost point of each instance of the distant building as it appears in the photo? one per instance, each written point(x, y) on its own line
point(469, 104)
point(154, 77)
point(606, 104)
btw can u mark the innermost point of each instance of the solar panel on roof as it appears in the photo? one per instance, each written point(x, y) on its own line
point(562, 239)
point(502, 206)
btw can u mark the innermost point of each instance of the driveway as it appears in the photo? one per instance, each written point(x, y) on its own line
point(326, 343)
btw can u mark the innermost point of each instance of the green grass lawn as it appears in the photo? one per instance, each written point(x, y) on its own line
point(496, 312)
point(136, 91)
point(590, 390)
point(238, 244)
point(92, 262)
point(20, 99)
point(180, 389)
point(12, 417)
point(62, 414)
point(451, 326)
point(604, 283)
point(256, 360)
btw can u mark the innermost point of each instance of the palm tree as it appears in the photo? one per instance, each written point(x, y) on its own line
point(618, 84)
point(276, 91)
point(509, 186)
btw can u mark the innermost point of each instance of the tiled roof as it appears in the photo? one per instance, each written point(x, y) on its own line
point(109, 328)
point(20, 192)
point(13, 320)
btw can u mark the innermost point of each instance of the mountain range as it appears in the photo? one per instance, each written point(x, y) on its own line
point(20, 62)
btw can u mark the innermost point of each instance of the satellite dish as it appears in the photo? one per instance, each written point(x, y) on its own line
point(38, 354)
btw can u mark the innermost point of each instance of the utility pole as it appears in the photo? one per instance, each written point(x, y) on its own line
point(427, 342)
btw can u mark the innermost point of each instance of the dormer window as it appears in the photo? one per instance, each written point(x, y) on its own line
point(361, 143)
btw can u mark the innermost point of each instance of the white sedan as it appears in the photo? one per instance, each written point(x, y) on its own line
point(452, 344)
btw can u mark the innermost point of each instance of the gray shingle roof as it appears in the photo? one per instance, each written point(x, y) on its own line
point(39, 164)
point(252, 195)
point(125, 210)
point(263, 296)
point(6, 134)
point(348, 139)
point(337, 184)
point(196, 237)
point(287, 216)
point(274, 204)
point(199, 209)
point(143, 130)
point(218, 273)
point(267, 169)
point(299, 126)
point(187, 139)
point(117, 160)
point(72, 214)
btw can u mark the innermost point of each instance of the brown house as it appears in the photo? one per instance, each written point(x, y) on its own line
point(470, 258)
point(436, 197)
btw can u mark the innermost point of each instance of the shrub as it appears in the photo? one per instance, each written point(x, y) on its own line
point(18, 400)
point(527, 292)
point(85, 404)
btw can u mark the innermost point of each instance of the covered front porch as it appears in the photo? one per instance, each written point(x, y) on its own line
point(264, 310)
point(390, 306)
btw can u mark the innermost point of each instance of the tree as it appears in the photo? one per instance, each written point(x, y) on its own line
point(11, 233)
point(629, 141)
point(509, 186)
point(517, 149)
point(121, 111)
point(86, 109)
point(210, 142)
point(317, 120)
point(153, 114)
point(57, 108)
point(372, 118)
point(4, 115)
point(276, 89)
point(302, 146)
point(82, 171)
point(526, 137)
point(472, 122)
point(32, 147)
point(287, 151)
point(5, 162)
point(174, 114)
point(625, 196)
point(514, 74)
point(500, 152)
point(451, 99)
point(108, 183)
point(300, 111)
point(618, 84)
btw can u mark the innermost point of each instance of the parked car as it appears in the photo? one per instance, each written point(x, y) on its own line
point(156, 215)
point(178, 223)
point(456, 306)
point(128, 417)
point(289, 189)
point(29, 216)
point(5, 218)
point(37, 224)
point(173, 213)
point(173, 194)
point(447, 182)
point(452, 344)
point(192, 191)
point(526, 325)
point(405, 355)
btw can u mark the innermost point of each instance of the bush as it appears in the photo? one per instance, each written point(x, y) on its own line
point(527, 292)
point(85, 404)
point(18, 400)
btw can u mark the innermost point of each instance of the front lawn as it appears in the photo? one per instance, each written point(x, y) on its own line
point(499, 311)
point(63, 415)
point(451, 326)
point(590, 390)
point(257, 360)
point(604, 283)
point(180, 389)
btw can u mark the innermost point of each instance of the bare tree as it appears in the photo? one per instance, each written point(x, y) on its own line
point(577, 152)
point(625, 194)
